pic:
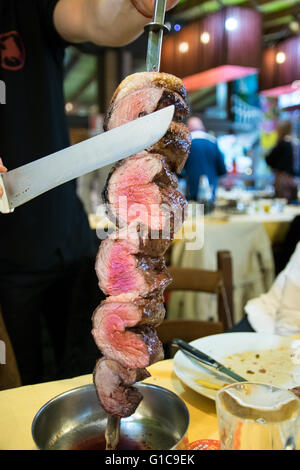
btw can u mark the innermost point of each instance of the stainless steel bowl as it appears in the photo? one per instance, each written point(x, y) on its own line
point(74, 419)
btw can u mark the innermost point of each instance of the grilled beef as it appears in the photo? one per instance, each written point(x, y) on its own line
point(113, 384)
point(145, 243)
point(142, 189)
point(143, 93)
point(142, 80)
point(143, 201)
point(148, 310)
point(174, 146)
point(132, 347)
point(120, 271)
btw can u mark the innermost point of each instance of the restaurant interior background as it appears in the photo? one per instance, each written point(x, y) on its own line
point(240, 62)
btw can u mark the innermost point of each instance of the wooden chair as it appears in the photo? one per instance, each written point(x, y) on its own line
point(9, 372)
point(214, 282)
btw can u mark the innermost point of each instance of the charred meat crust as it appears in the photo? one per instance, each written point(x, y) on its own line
point(168, 98)
point(151, 308)
point(113, 384)
point(157, 79)
point(175, 146)
point(149, 336)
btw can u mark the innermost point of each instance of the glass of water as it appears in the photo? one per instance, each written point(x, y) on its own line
point(255, 416)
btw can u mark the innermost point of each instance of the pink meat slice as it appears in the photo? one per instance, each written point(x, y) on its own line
point(143, 80)
point(120, 271)
point(133, 348)
point(174, 146)
point(141, 169)
point(142, 189)
point(113, 384)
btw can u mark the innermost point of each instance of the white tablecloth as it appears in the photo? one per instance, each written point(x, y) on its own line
point(253, 267)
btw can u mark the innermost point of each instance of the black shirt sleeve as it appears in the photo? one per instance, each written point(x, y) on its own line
point(46, 11)
point(281, 157)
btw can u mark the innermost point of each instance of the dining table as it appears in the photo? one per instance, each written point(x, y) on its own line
point(18, 406)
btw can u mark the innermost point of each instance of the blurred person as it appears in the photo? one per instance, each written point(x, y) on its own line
point(281, 161)
point(278, 310)
point(205, 159)
point(46, 241)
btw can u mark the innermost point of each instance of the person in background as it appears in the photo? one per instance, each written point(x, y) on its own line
point(45, 241)
point(205, 159)
point(281, 161)
point(278, 310)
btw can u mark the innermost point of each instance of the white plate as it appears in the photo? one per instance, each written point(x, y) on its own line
point(221, 346)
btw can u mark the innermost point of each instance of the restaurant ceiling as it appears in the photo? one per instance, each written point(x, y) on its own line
point(281, 20)
point(279, 16)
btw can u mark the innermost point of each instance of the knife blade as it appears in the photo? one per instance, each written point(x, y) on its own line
point(156, 31)
point(29, 181)
point(205, 360)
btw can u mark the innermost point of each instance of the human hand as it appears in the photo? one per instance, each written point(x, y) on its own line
point(147, 6)
point(2, 170)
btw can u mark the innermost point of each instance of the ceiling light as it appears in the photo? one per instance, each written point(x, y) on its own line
point(294, 26)
point(205, 38)
point(231, 24)
point(183, 47)
point(69, 107)
point(280, 58)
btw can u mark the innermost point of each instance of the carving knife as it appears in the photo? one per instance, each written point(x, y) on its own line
point(206, 361)
point(156, 32)
point(29, 181)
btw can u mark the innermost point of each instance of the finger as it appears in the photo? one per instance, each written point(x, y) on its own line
point(1, 191)
point(3, 169)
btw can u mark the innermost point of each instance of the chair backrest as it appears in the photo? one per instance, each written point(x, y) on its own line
point(188, 330)
point(215, 282)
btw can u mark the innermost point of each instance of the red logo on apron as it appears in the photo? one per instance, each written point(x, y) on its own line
point(12, 51)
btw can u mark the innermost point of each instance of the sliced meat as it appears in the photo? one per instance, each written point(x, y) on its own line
point(174, 146)
point(138, 81)
point(142, 102)
point(142, 189)
point(143, 310)
point(142, 168)
point(113, 385)
point(145, 243)
point(150, 206)
point(133, 348)
point(143, 93)
point(120, 272)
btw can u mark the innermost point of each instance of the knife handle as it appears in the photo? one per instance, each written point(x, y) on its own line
point(198, 355)
point(4, 203)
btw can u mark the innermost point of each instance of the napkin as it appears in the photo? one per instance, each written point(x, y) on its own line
point(278, 311)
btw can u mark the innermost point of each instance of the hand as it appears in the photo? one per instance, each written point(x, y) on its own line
point(147, 6)
point(2, 170)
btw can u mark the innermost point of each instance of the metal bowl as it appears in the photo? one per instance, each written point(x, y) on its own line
point(76, 420)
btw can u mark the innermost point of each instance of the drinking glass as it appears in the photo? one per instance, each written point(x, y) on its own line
point(254, 416)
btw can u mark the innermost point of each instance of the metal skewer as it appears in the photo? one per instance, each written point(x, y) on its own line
point(112, 432)
point(156, 31)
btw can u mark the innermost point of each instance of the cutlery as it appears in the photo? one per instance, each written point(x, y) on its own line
point(26, 182)
point(206, 361)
